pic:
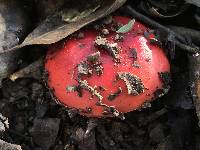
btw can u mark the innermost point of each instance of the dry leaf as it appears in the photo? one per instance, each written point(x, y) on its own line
point(194, 2)
point(54, 28)
point(73, 15)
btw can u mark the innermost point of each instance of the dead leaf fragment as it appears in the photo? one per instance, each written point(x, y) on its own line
point(194, 2)
point(54, 28)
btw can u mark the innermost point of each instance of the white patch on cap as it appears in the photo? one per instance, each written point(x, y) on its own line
point(147, 51)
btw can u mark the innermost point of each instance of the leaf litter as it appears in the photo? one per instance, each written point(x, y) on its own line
point(54, 28)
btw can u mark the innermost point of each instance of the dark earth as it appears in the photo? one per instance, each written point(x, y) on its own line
point(31, 117)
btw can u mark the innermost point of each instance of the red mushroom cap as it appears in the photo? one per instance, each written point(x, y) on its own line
point(106, 73)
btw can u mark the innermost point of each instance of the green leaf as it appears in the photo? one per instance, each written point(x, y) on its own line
point(127, 27)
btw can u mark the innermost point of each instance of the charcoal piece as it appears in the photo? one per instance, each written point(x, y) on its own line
point(45, 131)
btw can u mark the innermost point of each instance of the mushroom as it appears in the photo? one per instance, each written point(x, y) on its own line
point(102, 75)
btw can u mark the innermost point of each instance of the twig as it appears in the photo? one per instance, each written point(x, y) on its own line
point(192, 33)
point(31, 70)
point(92, 123)
point(153, 116)
point(154, 24)
point(194, 49)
